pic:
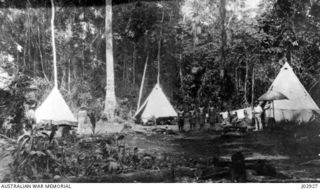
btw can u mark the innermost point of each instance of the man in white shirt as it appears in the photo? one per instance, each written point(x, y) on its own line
point(257, 114)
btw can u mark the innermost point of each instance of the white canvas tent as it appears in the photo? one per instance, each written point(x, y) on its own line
point(299, 106)
point(55, 109)
point(156, 105)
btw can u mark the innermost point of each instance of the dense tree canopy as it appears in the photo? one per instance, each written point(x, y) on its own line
point(198, 40)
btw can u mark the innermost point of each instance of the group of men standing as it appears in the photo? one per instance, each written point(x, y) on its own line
point(196, 114)
point(201, 115)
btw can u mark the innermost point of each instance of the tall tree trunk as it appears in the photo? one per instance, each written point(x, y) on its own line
point(125, 70)
point(74, 69)
point(245, 83)
point(40, 54)
point(29, 41)
point(180, 69)
point(134, 61)
point(110, 102)
point(159, 48)
point(239, 79)
point(236, 79)
point(25, 52)
point(124, 67)
point(223, 37)
point(63, 82)
point(69, 77)
point(83, 59)
point(54, 47)
point(31, 62)
point(252, 88)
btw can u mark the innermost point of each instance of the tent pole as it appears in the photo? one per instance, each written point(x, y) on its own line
point(142, 82)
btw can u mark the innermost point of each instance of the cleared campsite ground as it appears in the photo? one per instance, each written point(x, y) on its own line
point(292, 152)
point(288, 155)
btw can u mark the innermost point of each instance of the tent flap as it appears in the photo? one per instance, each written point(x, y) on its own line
point(156, 105)
point(299, 105)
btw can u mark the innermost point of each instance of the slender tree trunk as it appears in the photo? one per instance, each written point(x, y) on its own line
point(69, 76)
point(236, 79)
point(63, 78)
point(124, 67)
point(18, 60)
point(239, 79)
point(180, 69)
point(110, 102)
point(74, 70)
point(223, 37)
point(194, 30)
point(125, 71)
point(31, 62)
point(252, 88)
point(134, 61)
point(54, 46)
point(33, 57)
point(83, 59)
point(41, 57)
point(159, 48)
point(25, 53)
point(34, 65)
point(29, 41)
point(245, 83)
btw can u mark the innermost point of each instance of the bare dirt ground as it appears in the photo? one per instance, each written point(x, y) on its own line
point(293, 154)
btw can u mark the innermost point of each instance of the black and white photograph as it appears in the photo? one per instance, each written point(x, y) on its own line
point(160, 91)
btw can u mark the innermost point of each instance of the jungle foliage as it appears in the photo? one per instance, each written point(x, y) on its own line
point(229, 54)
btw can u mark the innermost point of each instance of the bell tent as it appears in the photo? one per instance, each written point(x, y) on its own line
point(156, 106)
point(298, 106)
point(54, 109)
